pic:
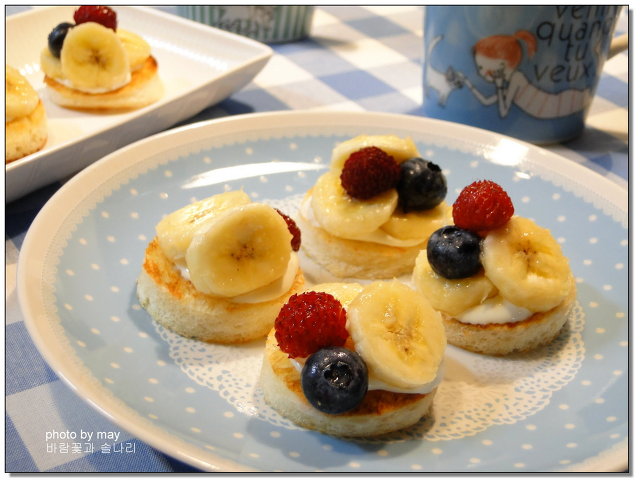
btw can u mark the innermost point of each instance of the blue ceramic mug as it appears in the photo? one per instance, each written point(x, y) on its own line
point(525, 71)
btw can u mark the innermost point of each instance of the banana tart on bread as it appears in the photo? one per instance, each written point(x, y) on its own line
point(25, 117)
point(219, 269)
point(372, 212)
point(500, 281)
point(352, 360)
point(92, 64)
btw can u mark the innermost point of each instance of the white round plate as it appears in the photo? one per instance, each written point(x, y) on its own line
point(562, 408)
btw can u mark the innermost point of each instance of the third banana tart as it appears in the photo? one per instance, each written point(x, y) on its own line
point(25, 117)
point(500, 281)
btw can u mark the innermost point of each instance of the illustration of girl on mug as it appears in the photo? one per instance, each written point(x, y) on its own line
point(497, 59)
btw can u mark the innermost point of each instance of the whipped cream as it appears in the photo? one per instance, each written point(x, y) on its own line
point(96, 90)
point(375, 384)
point(378, 236)
point(494, 310)
point(269, 292)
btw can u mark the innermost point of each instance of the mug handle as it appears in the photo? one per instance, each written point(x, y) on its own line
point(619, 44)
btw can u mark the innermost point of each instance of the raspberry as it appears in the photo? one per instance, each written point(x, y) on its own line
point(310, 321)
point(100, 14)
point(482, 206)
point(369, 172)
point(293, 228)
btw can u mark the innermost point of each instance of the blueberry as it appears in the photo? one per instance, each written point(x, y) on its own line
point(57, 36)
point(454, 253)
point(422, 185)
point(334, 379)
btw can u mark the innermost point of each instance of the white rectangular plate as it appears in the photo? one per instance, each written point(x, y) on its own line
point(199, 66)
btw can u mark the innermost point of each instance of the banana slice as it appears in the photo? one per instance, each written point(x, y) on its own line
point(20, 97)
point(416, 225)
point(400, 337)
point(400, 148)
point(344, 216)
point(244, 248)
point(345, 292)
point(50, 64)
point(526, 264)
point(451, 296)
point(176, 230)
point(93, 58)
point(136, 47)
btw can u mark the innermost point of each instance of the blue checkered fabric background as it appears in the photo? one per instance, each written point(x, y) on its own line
point(357, 58)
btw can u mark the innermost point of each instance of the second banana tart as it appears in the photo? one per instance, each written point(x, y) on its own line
point(91, 64)
point(499, 280)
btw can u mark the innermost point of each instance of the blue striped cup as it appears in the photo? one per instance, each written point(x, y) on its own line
point(265, 23)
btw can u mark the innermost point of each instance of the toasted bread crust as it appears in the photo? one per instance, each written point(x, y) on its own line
point(175, 303)
point(353, 258)
point(380, 412)
point(505, 338)
point(143, 89)
point(26, 135)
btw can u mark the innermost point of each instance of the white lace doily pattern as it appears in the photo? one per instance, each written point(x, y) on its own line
point(477, 391)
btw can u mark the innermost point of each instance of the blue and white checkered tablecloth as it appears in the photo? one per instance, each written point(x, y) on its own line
point(359, 58)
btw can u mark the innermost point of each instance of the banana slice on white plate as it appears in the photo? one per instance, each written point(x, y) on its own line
point(93, 58)
point(244, 248)
point(397, 333)
point(176, 230)
point(401, 149)
point(345, 216)
point(526, 264)
point(20, 97)
point(50, 64)
point(136, 48)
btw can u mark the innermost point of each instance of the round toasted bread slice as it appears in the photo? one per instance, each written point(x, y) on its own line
point(355, 259)
point(144, 88)
point(174, 303)
point(503, 338)
point(26, 135)
point(379, 413)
